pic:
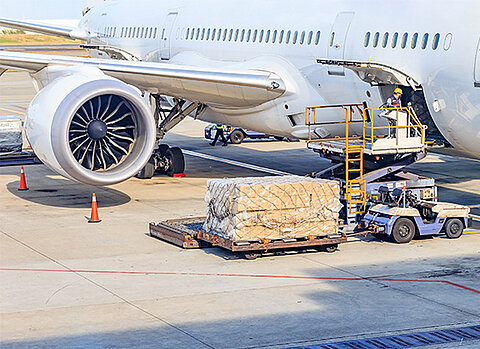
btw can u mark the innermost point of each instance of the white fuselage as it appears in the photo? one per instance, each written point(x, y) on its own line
point(283, 35)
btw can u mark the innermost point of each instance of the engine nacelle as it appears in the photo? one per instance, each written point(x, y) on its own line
point(91, 128)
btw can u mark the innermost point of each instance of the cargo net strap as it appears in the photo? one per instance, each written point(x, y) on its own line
point(253, 212)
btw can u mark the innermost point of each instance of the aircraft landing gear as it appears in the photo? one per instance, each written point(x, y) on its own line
point(165, 160)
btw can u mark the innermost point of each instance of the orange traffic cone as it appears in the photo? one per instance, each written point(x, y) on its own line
point(23, 182)
point(94, 216)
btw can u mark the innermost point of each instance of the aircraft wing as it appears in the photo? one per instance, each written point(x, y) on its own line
point(57, 30)
point(217, 87)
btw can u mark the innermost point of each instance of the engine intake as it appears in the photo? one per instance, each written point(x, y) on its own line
point(91, 128)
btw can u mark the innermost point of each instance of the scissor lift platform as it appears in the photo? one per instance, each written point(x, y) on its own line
point(189, 234)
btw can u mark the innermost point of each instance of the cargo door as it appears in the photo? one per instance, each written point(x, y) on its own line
point(166, 35)
point(477, 66)
point(338, 39)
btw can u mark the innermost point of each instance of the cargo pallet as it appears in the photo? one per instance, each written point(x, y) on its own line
point(188, 234)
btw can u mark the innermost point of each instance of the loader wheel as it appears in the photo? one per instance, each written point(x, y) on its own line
point(176, 161)
point(454, 228)
point(403, 231)
point(162, 149)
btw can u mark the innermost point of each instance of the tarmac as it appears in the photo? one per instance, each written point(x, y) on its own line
point(67, 283)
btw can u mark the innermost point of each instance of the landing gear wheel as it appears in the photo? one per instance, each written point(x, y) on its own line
point(251, 255)
point(331, 248)
point(148, 171)
point(162, 149)
point(454, 228)
point(237, 137)
point(403, 231)
point(176, 161)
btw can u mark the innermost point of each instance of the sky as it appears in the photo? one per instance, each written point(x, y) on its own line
point(44, 9)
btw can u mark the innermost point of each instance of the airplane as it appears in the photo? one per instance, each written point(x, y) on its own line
point(252, 64)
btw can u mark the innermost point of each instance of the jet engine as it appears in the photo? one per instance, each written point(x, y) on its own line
point(91, 128)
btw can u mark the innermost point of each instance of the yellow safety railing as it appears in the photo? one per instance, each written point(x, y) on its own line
point(355, 144)
point(372, 132)
point(355, 185)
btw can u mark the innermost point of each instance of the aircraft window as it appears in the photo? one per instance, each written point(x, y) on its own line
point(214, 32)
point(155, 33)
point(394, 40)
point(242, 36)
point(295, 37)
point(163, 33)
point(230, 35)
point(310, 38)
point(123, 30)
point(317, 38)
point(130, 32)
point(114, 31)
point(138, 32)
point(404, 40)
point(143, 32)
point(208, 34)
point(425, 41)
point(287, 39)
point(186, 36)
point(236, 34)
point(133, 32)
point(255, 32)
point(274, 38)
point(281, 37)
point(302, 38)
point(367, 39)
point(448, 41)
point(225, 34)
point(375, 39)
point(203, 34)
point(332, 39)
point(267, 36)
point(436, 40)
point(385, 40)
point(414, 40)
point(260, 37)
point(192, 34)
point(249, 34)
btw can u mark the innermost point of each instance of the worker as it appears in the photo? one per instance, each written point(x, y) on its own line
point(219, 134)
point(395, 101)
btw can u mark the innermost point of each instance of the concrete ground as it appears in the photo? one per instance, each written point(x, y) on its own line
point(65, 283)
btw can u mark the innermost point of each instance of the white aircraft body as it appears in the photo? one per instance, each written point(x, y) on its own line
point(253, 64)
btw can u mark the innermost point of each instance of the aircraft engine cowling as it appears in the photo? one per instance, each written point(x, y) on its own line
point(91, 128)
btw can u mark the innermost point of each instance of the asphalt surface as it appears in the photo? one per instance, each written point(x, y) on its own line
point(65, 283)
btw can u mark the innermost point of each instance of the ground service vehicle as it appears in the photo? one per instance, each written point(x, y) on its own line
point(402, 217)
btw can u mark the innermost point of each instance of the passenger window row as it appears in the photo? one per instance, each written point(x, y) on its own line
point(109, 32)
point(403, 41)
point(139, 32)
point(253, 35)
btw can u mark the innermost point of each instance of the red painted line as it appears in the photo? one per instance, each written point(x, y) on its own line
point(262, 276)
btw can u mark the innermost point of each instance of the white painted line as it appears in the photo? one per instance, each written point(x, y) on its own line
point(237, 163)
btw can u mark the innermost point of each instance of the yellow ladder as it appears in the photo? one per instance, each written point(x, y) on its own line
point(355, 188)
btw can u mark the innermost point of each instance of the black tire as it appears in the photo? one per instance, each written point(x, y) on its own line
point(403, 231)
point(278, 138)
point(236, 137)
point(176, 161)
point(454, 228)
point(331, 248)
point(251, 255)
point(148, 171)
point(162, 149)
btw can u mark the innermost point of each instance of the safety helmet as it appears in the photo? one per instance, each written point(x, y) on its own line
point(398, 90)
